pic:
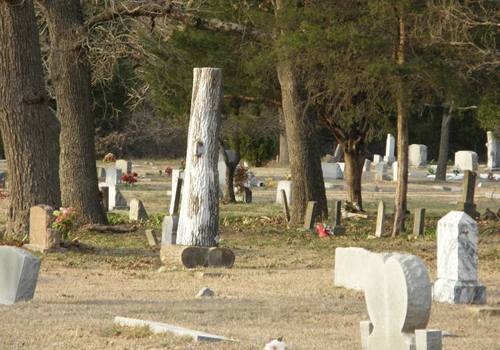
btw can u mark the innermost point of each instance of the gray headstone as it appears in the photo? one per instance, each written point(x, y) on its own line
point(169, 230)
point(469, 185)
point(337, 229)
point(428, 339)
point(311, 213)
point(18, 275)
point(137, 211)
point(457, 261)
point(379, 229)
point(205, 293)
point(42, 236)
point(389, 149)
point(419, 222)
point(381, 171)
point(175, 200)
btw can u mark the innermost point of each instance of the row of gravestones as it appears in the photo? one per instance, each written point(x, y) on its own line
point(397, 287)
point(398, 291)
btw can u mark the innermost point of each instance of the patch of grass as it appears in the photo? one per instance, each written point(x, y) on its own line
point(117, 219)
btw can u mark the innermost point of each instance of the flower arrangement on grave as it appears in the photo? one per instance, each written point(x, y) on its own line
point(168, 171)
point(109, 158)
point(129, 178)
point(65, 221)
point(270, 182)
point(240, 178)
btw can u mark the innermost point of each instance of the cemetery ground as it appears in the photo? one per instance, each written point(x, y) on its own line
point(281, 283)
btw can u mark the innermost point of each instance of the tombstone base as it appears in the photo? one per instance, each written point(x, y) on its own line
point(458, 292)
point(192, 257)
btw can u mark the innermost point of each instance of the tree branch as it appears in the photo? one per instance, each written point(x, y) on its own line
point(173, 11)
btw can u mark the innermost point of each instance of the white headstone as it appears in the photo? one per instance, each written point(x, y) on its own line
point(417, 155)
point(18, 275)
point(377, 158)
point(221, 166)
point(457, 261)
point(493, 147)
point(389, 149)
point(466, 160)
point(395, 171)
point(137, 211)
point(287, 186)
point(398, 294)
point(124, 165)
point(111, 175)
point(332, 170)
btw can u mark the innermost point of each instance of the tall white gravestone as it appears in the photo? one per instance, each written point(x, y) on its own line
point(457, 261)
point(199, 211)
point(493, 147)
point(389, 149)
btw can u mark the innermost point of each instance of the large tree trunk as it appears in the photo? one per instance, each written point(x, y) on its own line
point(70, 74)
point(444, 145)
point(305, 162)
point(402, 141)
point(284, 159)
point(354, 161)
point(29, 129)
point(231, 165)
point(199, 213)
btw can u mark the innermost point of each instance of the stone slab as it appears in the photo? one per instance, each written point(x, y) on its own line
point(18, 275)
point(349, 266)
point(151, 237)
point(466, 160)
point(169, 230)
point(42, 236)
point(157, 327)
point(287, 186)
point(428, 339)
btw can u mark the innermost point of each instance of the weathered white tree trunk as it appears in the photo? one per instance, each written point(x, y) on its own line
point(199, 213)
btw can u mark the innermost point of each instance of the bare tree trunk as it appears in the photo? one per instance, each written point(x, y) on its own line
point(305, 162)
point(354, 161)
point(70, 74)
point(444, 145)
point(29, 129)
point(402, 141)
point(199, 212)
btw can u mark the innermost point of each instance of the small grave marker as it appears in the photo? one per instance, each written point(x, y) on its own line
point(310, 217)
point(467, 205)
point(379, 230)
point(42, 236)
point(419, 222)
point(338, 229)
point(151, 237)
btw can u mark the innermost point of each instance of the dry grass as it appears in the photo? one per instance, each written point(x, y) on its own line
point(281, 285)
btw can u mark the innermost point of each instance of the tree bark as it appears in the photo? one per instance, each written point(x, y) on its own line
point(231, 166)
point(284, 159)
point(305, 162)
point(29, 129)
point(70, 74)
point(402, 141)
point(354, 161)
point(444, 144)
point(199, 213)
